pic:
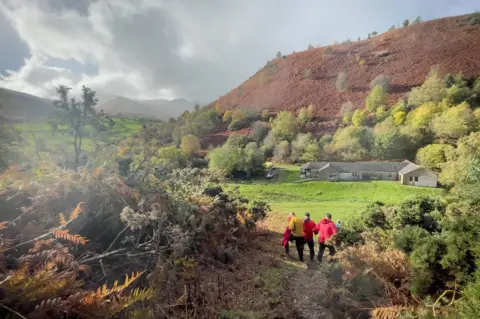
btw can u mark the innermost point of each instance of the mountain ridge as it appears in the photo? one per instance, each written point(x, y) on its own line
point(405, 55)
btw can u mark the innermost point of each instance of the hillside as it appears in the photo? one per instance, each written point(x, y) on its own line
point(406, 55)
point(21, 106)
point(160, 109)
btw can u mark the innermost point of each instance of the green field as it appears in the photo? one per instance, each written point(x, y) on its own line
point(341, 199)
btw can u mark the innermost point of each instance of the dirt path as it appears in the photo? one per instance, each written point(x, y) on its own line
point(305, 282)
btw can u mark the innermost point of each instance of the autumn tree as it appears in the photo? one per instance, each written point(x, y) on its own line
point(227, 116)
point(259, 131)
point(285, 125)
point(376, 98)
point(433, 156)
point(239, 115)
point(432, 90)
point(359, 117)
point(190, 144)
point(282, 152)
point(454, 123)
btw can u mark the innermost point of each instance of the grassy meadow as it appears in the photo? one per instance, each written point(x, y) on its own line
point(341, 199)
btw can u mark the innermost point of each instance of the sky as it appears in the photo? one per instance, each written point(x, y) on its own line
point(166, 49)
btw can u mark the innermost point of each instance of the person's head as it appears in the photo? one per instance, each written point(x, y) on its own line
point(292, 214)
point(307, 216)
point(339, 222)
point(328, 216)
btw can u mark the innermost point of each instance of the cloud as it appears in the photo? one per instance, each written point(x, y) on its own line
point(166, 49)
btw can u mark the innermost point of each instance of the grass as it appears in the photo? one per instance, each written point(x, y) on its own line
point(341, 199)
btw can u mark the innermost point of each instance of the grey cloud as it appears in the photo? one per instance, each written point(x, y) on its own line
point(193, 49)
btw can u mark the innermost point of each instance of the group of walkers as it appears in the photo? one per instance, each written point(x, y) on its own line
point(301, 231)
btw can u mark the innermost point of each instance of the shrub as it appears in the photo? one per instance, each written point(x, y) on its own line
point(391, 28)
point(238, 125)
point(406, 22)
point(279, 54)
point(311, 47)
point(417, 20)
point(399, 118)
point(381, 114)
point(190, 144)
point(374, 33)
point(381, 80)
point(305, 115)
point(342, 81)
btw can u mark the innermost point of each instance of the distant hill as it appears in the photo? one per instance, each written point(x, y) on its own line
point(160, 109)
point(405, 54)
point(22, 106)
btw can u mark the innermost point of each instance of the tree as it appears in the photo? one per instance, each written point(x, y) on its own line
point(311, 153)
point(374, 33)
point(406, 22)
point(197, 107)
point(418, 19)
point(433, 156)
point(301, 141)
point(279, 54)
point(381, 80)
point(310, 114)
point(227, 116)
point(170, 157)
point(77, 116)
point(352, 143)
point(342, 81)
point(310, 47)
point(285, 125)
point(358, 118)
point(390, 145)
point(227, 159)
point(432, 90)
point(282, 152)
point(391, 28)
point(455, 170)
point(376, 98)
point(270, 141)
point(254, 159)
point(238, 115)
point(422, 116)
point(454, 123)
point(381, 113)
point(219, 108)
point(399, 118)
point(237, 140)
point(190, 144)
point(259, 131)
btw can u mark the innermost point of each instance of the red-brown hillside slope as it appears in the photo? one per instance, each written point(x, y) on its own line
point(409, 54)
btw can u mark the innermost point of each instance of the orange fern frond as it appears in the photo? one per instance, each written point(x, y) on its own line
point(62, 220)
point(65, 235)
point(76, 212)
point(392, 312)
point(3, 224)
point(40, 244)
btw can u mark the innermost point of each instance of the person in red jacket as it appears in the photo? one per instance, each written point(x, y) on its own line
point(325, 229)
point(308, 226)
point(286, 236)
